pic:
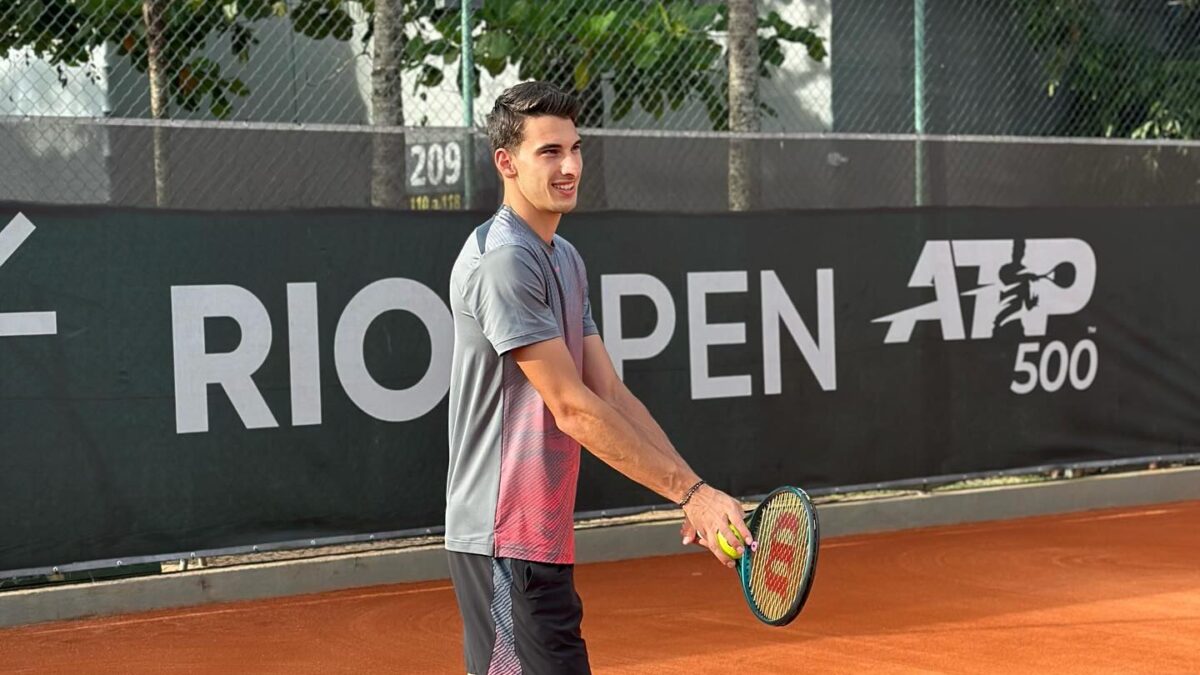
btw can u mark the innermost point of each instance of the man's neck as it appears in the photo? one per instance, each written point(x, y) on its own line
point(543, 223)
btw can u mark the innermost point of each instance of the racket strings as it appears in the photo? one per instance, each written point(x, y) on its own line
point(779, 566)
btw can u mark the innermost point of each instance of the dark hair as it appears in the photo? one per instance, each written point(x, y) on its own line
point(506, 122)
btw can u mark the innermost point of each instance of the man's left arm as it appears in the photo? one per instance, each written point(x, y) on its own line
point(600, 376)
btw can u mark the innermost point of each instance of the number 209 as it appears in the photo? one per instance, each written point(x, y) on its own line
point(435, 164)
point(1055, 367)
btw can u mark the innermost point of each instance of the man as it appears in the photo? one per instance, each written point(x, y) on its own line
point(530, 382)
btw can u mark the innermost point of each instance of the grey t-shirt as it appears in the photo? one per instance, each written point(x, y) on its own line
point(510, 491)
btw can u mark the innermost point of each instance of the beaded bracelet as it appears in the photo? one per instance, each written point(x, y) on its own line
point(691, 491)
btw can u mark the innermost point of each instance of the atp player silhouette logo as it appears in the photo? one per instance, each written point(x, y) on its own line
point(1017, 293)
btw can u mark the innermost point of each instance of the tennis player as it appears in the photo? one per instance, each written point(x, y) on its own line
point(530, 382)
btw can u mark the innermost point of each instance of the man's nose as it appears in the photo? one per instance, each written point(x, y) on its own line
point(572, 165)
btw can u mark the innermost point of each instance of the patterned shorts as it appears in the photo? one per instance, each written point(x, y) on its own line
point(518, 616)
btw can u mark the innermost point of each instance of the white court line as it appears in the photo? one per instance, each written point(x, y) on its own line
point(1002, 525)
point(1116, 516)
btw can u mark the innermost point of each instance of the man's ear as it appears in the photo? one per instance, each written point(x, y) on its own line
point(504, 163)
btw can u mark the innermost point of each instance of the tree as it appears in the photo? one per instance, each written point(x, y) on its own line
point(154, 18)
point(743, 102)
point(387, 103)
point(655, 54)
point(66, 33)
point(160, 37)
point(1123, 79)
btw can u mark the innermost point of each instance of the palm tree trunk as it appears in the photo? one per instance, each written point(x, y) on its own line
point(387, 106)
point(154, 16)
point(743, 103)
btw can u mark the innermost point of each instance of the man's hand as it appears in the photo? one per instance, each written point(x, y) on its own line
point(710, 511)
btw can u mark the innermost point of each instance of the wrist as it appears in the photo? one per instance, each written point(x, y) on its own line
point(691, 492)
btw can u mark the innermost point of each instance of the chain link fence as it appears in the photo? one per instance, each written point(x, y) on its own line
point(301, 103)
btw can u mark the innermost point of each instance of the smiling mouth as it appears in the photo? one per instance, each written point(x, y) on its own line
point(565, 188)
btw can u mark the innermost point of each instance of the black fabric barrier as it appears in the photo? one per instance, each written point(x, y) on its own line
point(102, 326)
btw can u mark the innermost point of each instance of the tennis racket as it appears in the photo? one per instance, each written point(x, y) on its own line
point(777, 576)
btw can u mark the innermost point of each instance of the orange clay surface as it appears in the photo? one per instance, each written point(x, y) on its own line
point(1098, 592)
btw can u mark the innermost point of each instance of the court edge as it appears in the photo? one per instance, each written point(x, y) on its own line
point(593, 544)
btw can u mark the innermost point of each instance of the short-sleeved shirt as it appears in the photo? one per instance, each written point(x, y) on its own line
point(510, 490)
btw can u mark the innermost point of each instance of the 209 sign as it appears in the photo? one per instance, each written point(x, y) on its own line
point(435, 174)
point(1055, 367)
point(433, 167)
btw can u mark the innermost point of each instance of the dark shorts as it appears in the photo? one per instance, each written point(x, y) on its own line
point(518, 616)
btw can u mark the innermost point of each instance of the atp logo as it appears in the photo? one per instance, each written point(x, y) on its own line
point(1020, 283)
point(1021, 280)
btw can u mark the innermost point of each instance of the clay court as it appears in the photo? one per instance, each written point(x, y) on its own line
point(1102, 591)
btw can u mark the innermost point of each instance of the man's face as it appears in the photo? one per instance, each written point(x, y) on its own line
point(548, 164)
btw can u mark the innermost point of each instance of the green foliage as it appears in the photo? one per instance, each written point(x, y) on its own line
point(654, 53)
point(66, 32)
point(657, 54)
point(1133, 79)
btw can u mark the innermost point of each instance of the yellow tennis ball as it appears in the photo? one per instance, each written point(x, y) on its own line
point(729, 550)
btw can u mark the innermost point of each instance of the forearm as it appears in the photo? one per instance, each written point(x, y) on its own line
point(625, 442)
point(637, 414)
